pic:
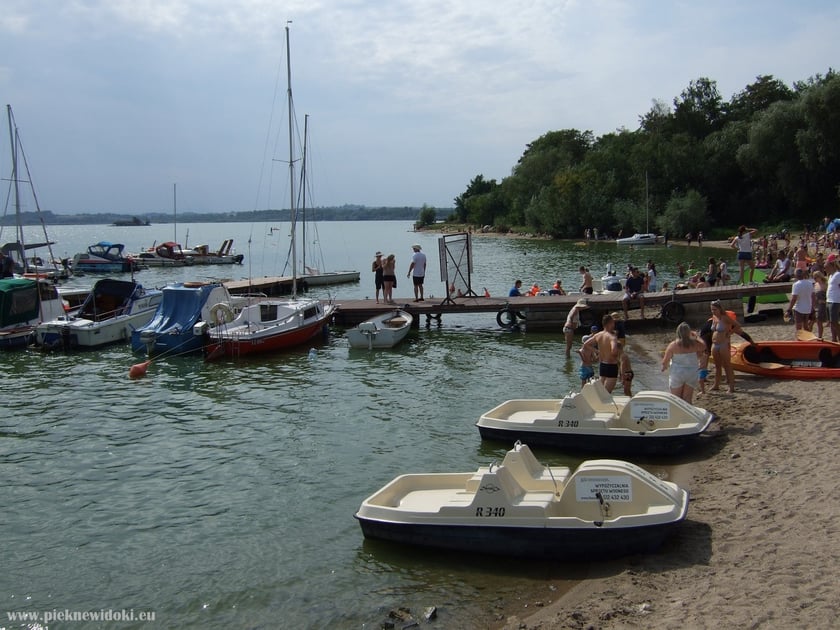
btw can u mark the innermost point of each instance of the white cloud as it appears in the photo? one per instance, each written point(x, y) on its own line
point(409, 99)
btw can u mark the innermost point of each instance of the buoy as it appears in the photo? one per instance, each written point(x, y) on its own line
point(138, 369)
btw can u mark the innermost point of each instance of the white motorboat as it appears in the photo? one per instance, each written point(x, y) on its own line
point(383, 331)
point(112, 310)
point(639, 239)
point(609, 282)
point(605, 509)
point(203, 255)
point(104, 257)
point(651, 422)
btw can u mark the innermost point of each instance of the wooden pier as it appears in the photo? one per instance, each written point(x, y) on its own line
point(548, 313)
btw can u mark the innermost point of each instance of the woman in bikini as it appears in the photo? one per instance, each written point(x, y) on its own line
point(722, 328)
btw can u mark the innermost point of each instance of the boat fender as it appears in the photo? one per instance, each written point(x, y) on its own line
point(507, 317)
point(221, 313)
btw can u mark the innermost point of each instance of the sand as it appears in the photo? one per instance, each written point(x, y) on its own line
point(761, 545)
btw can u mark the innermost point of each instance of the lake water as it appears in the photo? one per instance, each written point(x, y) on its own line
point(222, 495)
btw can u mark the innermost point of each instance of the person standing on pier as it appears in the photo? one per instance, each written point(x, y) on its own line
point(586, 281)
point(376, 268)
point(743, 243)
point(389, 279)
point(417, 271)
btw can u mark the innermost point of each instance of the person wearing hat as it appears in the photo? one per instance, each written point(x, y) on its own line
point(376, 268)
point(417, 271)
point(572, 322)
point(801, 300)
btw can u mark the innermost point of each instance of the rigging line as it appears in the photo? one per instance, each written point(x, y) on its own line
point(35, 196)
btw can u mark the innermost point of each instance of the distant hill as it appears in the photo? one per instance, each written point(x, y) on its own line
point(343, 213)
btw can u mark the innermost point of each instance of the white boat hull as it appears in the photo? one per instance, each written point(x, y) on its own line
point(328, 278)
point(109, 315)
point(638, 239)
point(383, 331)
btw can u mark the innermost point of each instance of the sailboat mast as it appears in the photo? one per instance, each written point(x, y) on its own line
point(15, 182)
point(647, 197)
point(292, 216)
point(303, 189)
point(175, 212)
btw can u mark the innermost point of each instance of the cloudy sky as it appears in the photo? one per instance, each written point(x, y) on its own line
point(117, 100)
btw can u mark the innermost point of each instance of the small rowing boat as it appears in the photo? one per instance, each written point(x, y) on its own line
point(385, 330)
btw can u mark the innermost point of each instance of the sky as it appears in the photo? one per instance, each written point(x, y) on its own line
point(118, 101)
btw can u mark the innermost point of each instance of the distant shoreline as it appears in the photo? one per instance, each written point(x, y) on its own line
point(448, 228)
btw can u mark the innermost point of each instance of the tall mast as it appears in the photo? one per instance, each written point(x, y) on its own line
point(15, 182)
point(293, 217)
point(175, 211)
point(303, 189)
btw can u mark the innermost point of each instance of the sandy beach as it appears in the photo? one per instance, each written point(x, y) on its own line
point(760, 547)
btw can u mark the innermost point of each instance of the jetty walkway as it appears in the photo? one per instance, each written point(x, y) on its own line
point(548, 313)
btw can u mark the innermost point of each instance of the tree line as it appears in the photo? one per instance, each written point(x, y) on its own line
point(769, 155)
point(423, 216)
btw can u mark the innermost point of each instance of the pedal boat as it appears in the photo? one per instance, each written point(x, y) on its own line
point(649, 423)
point(606, 508)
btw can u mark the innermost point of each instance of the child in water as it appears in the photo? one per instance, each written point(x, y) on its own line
point(588, 358)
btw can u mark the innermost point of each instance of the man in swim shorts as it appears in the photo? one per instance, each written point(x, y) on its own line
point(609, 352)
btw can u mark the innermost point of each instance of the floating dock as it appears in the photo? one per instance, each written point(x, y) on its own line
point(548, 313)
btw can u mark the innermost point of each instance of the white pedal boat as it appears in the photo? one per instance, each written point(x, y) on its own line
point(606, 508)
point(651, 422)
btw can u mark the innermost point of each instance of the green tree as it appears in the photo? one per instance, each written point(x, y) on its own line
point(684, 212)
point(478, 186)
point(428, 216)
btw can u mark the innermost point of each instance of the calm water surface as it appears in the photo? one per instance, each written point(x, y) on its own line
point(222, 495)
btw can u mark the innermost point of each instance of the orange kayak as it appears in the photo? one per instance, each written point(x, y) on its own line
point(788, 359)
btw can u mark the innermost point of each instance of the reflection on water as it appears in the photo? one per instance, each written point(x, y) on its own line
point(222, 495)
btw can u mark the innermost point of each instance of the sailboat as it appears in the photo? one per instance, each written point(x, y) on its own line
point(648, 238)
point(311, 276)
point(270, 325)
point(25, 265)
